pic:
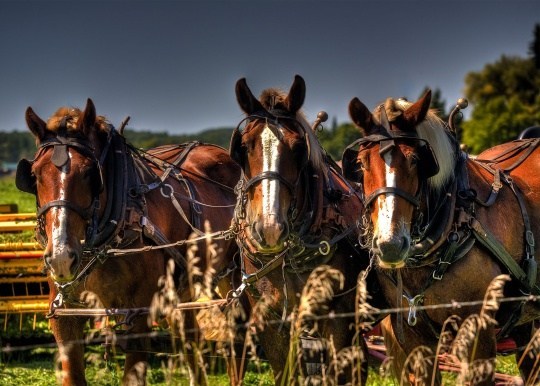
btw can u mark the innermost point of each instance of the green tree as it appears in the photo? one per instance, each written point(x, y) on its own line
point(334, 140)
point(534, 48)
point(505, 98)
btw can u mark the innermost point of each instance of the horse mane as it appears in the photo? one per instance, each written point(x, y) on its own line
point(273, 98)
point(433, 130)
point(71, 116)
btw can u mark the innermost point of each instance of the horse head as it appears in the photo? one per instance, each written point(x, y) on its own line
point(66, 177)
point(397, 162)
point(273, 146)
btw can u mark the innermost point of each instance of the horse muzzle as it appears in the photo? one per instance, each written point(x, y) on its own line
point(62, 265)
point(392, 252)
point(270, 234)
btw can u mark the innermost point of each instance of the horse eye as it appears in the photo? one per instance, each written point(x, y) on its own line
point(414, 160)
point(91, 175)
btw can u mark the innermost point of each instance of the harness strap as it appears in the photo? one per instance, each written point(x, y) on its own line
point(179, 208)
point(269, 175)
point(530, 145)
point(83, 212)
point(398, 192)
point(248, 279)
point(498, 250)
point(155, 234)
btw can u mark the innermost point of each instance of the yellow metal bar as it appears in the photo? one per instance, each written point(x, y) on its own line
point(21, 255)
point(12, 226)
point(19, 246)
point(22, 279)
point(27, 304)
point(21, 266)
point(18, 217)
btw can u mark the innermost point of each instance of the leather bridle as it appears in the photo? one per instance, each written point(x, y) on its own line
point(60, 146)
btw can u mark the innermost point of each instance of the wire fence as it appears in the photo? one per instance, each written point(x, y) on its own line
point(371, 314)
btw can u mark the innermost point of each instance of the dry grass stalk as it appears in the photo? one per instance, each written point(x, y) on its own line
point(444, 345)
point(320, 288)
point(364, 312)
point(417, 365)
point(467, 338)
point(533, 351)
point(350, 358)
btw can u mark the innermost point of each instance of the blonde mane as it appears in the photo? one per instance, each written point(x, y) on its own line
point(274, 98)
point(433, 131)
point(71, 116)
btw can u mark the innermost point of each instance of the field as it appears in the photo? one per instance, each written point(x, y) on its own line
point(35, 363)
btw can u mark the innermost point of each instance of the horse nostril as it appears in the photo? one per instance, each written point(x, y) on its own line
point(406, 244)
point(74, 256)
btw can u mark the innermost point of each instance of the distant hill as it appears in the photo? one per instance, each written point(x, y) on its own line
point(21, 144)
point(146, 139)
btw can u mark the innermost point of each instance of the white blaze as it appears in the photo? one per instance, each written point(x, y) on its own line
point(388, 204)
point(59, 225)
point(270, 187)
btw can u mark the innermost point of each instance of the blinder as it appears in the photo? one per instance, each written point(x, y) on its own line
point(25, 180)
point(234, 146)
point(428, 166)
point(350, 165)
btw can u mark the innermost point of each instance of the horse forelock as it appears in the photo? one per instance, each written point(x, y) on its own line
point(433, 131)
point(68, 118)
point(274, 98)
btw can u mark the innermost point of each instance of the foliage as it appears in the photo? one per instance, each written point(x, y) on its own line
point(335, 140)
point(505, 99)
point(16, 145)
point(534, 47)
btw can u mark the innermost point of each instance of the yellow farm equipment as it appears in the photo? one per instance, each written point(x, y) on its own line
point(23, 286)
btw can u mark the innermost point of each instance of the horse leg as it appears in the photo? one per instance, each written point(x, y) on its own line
point(69, 335)
point(401, 341)
point(137, 361)
point(347, 358)
point(276, 346)
point(526, 360)
point(395, 354)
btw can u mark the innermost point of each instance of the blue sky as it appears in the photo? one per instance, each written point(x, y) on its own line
point(172, 65)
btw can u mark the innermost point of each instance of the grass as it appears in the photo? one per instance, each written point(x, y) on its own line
point(11, 195)
point(26, 203)
point(40, 371)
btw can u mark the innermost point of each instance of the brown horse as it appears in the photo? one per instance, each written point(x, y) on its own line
point(96, 193)
point(296, 228)
point(443, 225)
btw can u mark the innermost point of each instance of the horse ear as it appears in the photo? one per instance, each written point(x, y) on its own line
point(247, 101)
point(297, 94)
point(88, 118)
point(417, 112)
point(36, 125)
point(360, 115)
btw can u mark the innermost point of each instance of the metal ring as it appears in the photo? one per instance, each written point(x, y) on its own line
point(322, 251)
point(162, 190)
